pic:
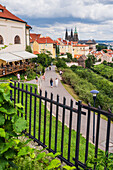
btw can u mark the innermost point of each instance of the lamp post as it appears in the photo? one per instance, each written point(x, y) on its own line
point(94, 92)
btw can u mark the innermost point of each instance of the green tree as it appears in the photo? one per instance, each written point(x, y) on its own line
point(28, 48)
point(61, 63)
point(44, 59)
point(57, 49)
point(90, 61)
point(105, 51)
point(69, 55)
point(100, 47)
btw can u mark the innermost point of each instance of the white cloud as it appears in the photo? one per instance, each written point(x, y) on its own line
point(85, 31)
point(98, 11)
point(93, 9)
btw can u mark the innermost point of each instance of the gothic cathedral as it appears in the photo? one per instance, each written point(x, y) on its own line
point(71, 37)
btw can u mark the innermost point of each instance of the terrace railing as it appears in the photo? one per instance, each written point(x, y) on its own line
point(11, 69)
point(56, 132)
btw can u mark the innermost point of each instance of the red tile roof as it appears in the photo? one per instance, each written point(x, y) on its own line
point(34, 37)
point(36, 52)
point(8, 15)
point(80, 45)
point(77, 56)
point(45, 40)
point(59, 39)
point(28, 26)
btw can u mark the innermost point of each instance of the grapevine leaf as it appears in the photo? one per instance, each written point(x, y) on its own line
point(3, 163)
point(2, 120)
point(3, 110)
point(24, 151)
point(2, 132)
point(40, 156)
point(10, 154)
point(20, 125)
point(19, 105)
point(55, 163)
point(6, 96)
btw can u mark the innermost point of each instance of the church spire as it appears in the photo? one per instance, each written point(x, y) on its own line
point(66, 35)
point(71, 33)
point(75, 31)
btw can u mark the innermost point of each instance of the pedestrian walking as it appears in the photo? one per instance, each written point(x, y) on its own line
point(36, 78)
point(43, 76)
point(18, 77)
point(25, 78)
point(39, 84)
point(49, 67)
point(56, 82)
point(51, 82)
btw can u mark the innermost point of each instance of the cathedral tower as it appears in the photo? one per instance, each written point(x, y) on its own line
point(71, 34)
point(66, 35)
point(75, 35)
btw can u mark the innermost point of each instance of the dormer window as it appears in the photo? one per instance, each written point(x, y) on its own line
point(1, 10)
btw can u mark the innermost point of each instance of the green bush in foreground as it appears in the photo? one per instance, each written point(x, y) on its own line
point(15, 154)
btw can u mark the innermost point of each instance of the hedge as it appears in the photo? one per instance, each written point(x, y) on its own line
point(82, 88)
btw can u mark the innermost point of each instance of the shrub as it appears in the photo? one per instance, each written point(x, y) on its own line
point(80, 83)
point(61, 63)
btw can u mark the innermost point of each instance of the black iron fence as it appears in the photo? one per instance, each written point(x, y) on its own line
point(52, 124)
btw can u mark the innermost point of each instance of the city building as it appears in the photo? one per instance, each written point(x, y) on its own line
point(14, 37)
point(81, 60)
point(80, 49)
point(44, 44)
point(91, 43)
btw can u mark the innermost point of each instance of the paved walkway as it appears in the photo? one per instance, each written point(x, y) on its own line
point(61, 91)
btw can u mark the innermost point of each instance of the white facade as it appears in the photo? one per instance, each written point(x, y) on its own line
point(8, 30)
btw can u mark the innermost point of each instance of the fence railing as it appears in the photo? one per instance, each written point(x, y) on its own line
point(57, 132)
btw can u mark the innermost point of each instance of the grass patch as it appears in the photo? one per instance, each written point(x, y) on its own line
point(14, 77)
point(74, 95)
point(71, 91)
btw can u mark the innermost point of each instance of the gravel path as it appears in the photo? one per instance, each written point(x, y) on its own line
point(61, 91)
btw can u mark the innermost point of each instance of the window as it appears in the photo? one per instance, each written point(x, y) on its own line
point(1, 10)
point(17, 40)
point(1, 39)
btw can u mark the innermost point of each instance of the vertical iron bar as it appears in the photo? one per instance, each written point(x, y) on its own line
point(14, 93)
point(94, 98)
point(44, 136)
point(18, 96)
point(107, 140)
point(10, 98)
point(50, 125)
point(30, 110)
point(22, 98)
point(39, 116)
point(108, 136)
point(63, 121)
point(35, 113)
point(56, 128)
point(10, 92)
point(78, 133)
point(26, 103)
point(87, 134)
point(97, 137)
point(70, 126)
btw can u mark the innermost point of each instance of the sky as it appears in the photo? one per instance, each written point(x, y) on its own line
point(92, 18)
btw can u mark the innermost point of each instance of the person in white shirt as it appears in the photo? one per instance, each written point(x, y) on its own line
point(56, 82)
point(18, 77)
